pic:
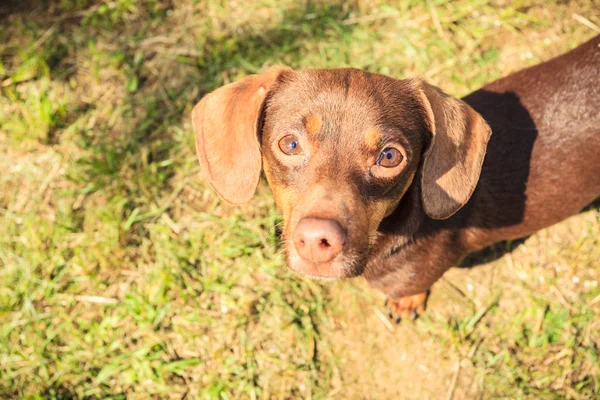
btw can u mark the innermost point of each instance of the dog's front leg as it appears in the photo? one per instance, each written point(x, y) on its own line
point(405, 277)
point(407, 307)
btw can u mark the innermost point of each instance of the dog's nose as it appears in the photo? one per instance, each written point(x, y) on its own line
point(318, 240)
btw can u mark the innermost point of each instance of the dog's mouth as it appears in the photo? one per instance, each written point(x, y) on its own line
point(328, 271)
point(347, 264)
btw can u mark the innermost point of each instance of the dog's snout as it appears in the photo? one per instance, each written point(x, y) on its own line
point(318, 240)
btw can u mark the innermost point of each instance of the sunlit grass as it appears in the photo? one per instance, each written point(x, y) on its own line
point(123, 275)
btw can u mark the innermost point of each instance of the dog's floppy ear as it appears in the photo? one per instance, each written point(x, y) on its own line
point(454, 158)
point(225, 124)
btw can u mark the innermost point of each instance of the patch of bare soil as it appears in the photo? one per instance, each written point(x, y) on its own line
point(416, 360)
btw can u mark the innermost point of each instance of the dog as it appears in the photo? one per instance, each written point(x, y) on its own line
point(396, 181)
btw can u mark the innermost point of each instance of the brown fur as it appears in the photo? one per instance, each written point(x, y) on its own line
point(405, 226)
point(373, 138)
point(312, 124)
point(452, 164)
point(240, 104)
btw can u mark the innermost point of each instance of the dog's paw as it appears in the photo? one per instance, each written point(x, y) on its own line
point(408, 307)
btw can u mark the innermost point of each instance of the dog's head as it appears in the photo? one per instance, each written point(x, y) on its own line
point(339, 149)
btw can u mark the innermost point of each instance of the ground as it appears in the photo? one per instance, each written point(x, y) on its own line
point(122, 275)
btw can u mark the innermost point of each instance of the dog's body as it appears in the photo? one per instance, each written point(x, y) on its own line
point(387, 179)
point(542, 166)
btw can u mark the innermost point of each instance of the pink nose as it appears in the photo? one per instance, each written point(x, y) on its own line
point(318, 240)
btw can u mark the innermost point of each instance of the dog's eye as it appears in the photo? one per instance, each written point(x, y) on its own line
point(290, 145)
point(390, 158)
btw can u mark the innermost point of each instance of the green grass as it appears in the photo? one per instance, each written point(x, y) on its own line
point(123, 275)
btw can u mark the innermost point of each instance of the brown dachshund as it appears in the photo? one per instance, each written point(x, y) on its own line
point(395, 180)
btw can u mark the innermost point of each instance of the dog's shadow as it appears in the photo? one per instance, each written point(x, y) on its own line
point(491, 253)
point(498, 250)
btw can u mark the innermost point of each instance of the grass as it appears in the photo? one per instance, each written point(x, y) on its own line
point(122, 275)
